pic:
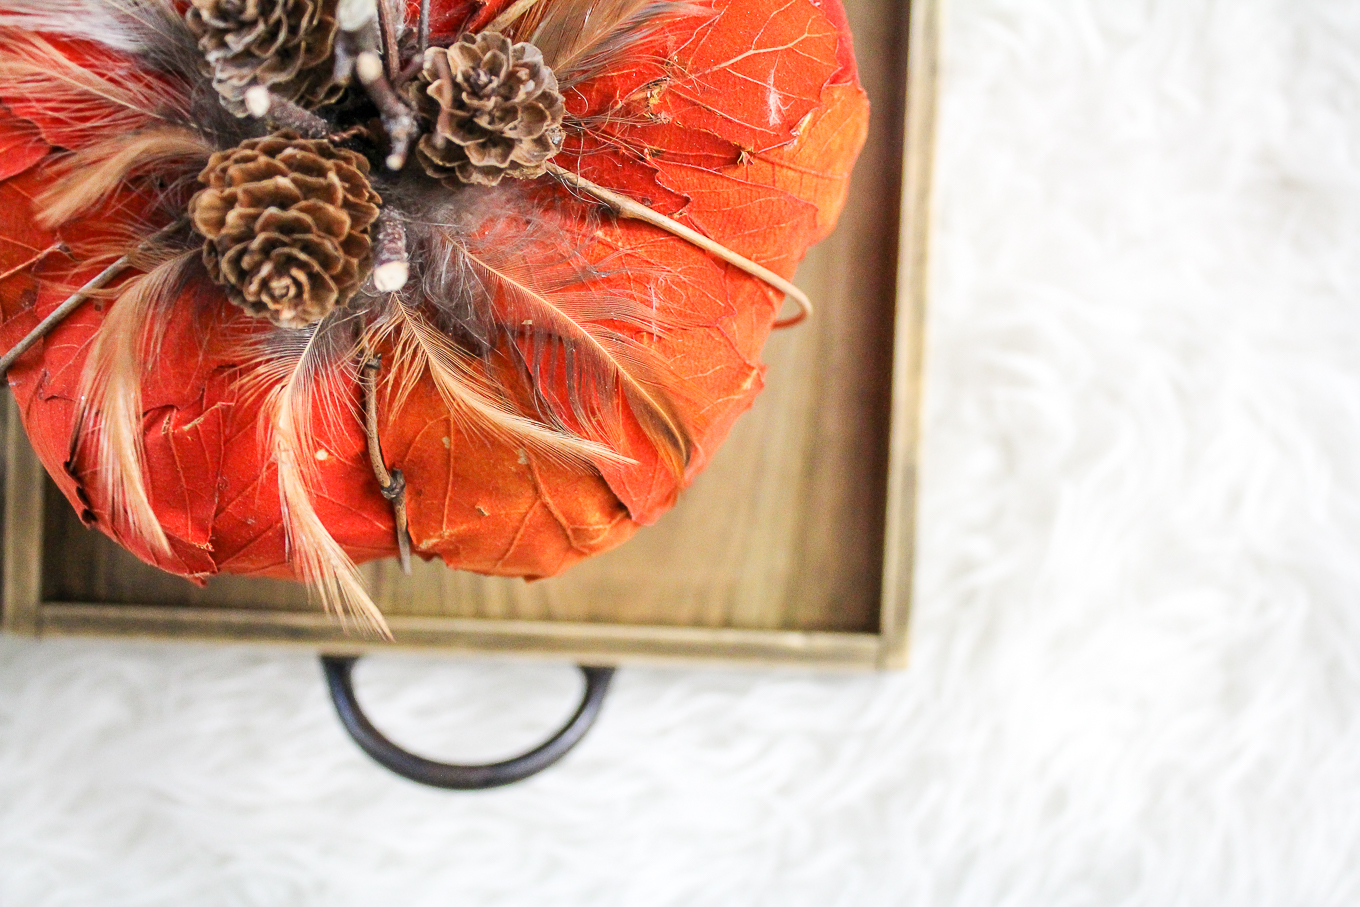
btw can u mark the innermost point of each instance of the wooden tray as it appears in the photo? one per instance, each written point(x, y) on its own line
point(795, 547)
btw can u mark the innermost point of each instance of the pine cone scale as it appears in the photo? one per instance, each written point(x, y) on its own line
point(324, 220)
point(246, 171)
point(276, 191)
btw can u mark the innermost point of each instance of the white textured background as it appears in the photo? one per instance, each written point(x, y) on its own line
point(1136, 673)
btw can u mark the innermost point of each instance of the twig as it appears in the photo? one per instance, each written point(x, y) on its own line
point(391, 60)
point(398, 120)
point(423, 29)
point(413, 68)
point(60, 313)
point(282, 113)
point(55, 247)
point(624, 206)
point(344, 135)
point(391, 483)
point(73, 302)
point(511, 15)
point(349, 43)
point(391, 262)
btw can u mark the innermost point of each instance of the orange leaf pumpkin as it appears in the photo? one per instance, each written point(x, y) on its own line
point(740, 121)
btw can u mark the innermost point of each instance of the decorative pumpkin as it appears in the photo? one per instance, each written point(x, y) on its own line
point(499, 272)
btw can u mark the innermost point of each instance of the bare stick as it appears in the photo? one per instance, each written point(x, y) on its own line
point(72, 302)
point(392, 483)
point(55, 247)
point(397, 118)
point(423, 29)
point(60, 313)
point(391, 262)
point(391, 62)
point(626, 207)
point(282, 113)
point(511, 15)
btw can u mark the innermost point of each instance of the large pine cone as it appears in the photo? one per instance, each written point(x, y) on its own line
point(283, 45)
point(287, 225)
point(491, 109)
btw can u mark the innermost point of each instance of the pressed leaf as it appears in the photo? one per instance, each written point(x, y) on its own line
point(21, 146)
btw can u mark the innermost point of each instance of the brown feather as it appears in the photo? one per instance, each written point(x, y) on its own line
point(580, 334)
point(86, 178)
point(301, 371)
point(131, 26)
point(90, 105)
point(576, 36)
point(419, 349)
point(110, 416)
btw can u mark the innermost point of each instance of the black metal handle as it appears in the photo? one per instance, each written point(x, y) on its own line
point(339, 671)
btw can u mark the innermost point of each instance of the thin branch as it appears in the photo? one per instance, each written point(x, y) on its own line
point(391, 260)
point(60, 313)
point(511, 15)
point(24, 265)
point(391, 61)
point(624, 206)
point(74, 301)
point(282, 113)
point(423, 29)
point(397, 118)
point(392, 483)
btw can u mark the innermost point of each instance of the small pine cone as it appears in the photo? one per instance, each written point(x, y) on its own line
point(283, 45)
point(490, 109)
point(287, 226)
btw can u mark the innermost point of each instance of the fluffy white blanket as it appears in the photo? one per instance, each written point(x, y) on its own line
point(1136, 674)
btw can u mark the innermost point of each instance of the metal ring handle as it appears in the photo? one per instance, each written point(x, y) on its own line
point(339, 670)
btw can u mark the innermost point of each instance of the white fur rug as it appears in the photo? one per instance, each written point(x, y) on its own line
point(1136, 674)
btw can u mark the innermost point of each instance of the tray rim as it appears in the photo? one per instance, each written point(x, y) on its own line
point(24, 613)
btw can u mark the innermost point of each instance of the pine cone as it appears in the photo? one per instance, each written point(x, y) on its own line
point(491, 109)
point(287, 226)
point(284, 45)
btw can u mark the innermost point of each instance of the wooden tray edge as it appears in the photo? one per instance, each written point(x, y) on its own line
point(913, 285)
point(584, 643)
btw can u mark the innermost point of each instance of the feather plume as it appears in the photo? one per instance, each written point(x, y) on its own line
point(581, 38)
point(301, 372)
point(87, 177)
point(82, 104)
point(110, 413)
point(420, 349)
point(577, 338)
point(125, 25)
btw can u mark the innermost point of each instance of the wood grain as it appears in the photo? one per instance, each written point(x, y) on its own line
point(24, 484)
point(913, 288)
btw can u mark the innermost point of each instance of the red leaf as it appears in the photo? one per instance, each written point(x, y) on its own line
point(20, 145)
